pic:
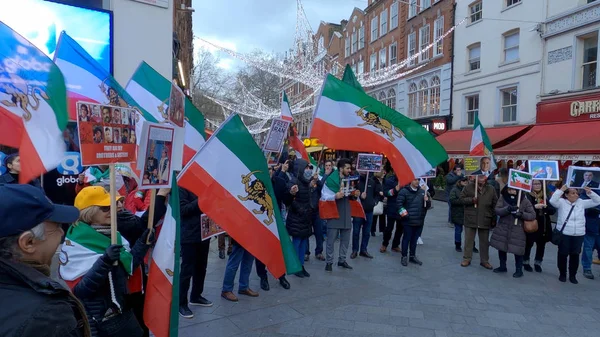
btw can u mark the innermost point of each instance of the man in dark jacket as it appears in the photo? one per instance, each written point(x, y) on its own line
point(194, 254)
point(591, 238)
point(30, 232)
point(457, 211)
point(451, 179)
point(368, 198)
point(391, 187)
point(412, 204)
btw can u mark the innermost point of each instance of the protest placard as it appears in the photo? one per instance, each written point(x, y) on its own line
point(155, 153)
point(580, 177)
point(277, 135)
point(430, 174)
point(176, 109)
point(209, 228)
point(544, 169)
point(520, 180)
point(471, 165)
point(368, 162)
point(106, 134)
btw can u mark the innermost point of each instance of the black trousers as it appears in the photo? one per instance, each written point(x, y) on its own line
point(540, 247)
point(569, 249)
point(389, 228)
point(261, 269)
point(194, 259)
point(380, 219)
point(136, 301)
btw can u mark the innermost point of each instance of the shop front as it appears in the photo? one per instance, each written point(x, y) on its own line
point(435, 125)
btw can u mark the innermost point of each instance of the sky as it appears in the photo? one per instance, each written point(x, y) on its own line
point(268, 25)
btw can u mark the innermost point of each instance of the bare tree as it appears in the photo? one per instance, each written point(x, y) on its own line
point(209, 79)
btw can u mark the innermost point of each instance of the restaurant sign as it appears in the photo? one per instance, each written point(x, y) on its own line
point(569, 109)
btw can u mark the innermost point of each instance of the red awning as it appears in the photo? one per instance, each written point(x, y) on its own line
point(459, 141)
point(558, 139)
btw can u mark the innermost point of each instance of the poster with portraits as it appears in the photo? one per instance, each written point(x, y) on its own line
point(209, 228)
point(478, 166)
point(176, 109)
point(368, 162)
point(155, 155)
point(582, 177)
point(106, 134)
point(544, 169)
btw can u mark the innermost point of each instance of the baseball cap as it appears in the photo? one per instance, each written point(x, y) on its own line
point(24, 206)
point(92, 196)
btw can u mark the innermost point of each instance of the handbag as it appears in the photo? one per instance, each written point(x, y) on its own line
point(557, 234)
point(378, 209)
point(530, 226)
point(122, 324)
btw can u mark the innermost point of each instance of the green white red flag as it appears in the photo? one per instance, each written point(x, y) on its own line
point(294, 141)
point(347, 118)
point(480, 142)
point(231, 179)
point(33, 105)
point(327, 204)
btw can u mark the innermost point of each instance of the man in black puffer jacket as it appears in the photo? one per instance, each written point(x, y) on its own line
point(412, 207)
point(391, 187)
point(300, 209)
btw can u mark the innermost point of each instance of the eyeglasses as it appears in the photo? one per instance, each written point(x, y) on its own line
point(105, 209)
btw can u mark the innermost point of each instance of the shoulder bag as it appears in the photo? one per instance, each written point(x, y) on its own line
point(378, 209)
point(557, 234)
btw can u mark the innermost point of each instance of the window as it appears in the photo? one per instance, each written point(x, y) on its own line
point(424, 36)
point(361, 37)
point(361, 68)
point(382, 97)
point(354, 42)
point(590, 62)
point(412, 47)
point(393, 53)
point(374, 28)
point(382, 58)
point(514, 2)
point(412, 100)
point(509, 104)
point(476, 11)
point(384, 23)
point(347, 45)
point(438, 31)
point(474, 57)
point(511, 46)
point(394, 16)
point(373, 64)
point(472, 109)
point(423, 98)
point(434, 96)
point(321, 43)
point(412, 8)
point(391, 101)
point(425, 4)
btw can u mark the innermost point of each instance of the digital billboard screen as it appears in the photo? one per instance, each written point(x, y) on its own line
point(41, 22)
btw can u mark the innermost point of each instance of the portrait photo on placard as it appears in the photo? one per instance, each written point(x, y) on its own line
point(485, 167)
point(581, 177)
point(155, 153)
point(544, 169)
point(367, 162)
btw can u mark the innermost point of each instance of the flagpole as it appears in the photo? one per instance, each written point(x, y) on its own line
point(518, 205)
point(151, 212)
point(367, 182)
point(321, 154)
point(113, 205)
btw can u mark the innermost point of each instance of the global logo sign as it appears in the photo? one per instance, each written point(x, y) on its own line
point(71, 164)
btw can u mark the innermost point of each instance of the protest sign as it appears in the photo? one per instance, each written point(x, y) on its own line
point(368, 162)
point(544, 169)
point(155, 153)
point(176, 109)
point(272, 158)
point(209, 228)
point(277, 135)
point(520, 180)
point(580, 177)
point(430, 174)
point(471, 165)
point(106, 134)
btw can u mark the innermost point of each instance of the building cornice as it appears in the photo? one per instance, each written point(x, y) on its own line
point(572, 19)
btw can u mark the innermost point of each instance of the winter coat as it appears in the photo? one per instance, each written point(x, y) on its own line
point(576, 224)
point(414, 203)
point(132, 226)
point(451, 180)
point(544, 232)
point(592, 218)
point(389, 190)
point(484, 215)
point(373, 189)
point(279, 187)
point(457, 208)
point(191, 229)
point(300, 206)
point(507, 236)
point(93, 289)
point(35, 305)
point(7, 178)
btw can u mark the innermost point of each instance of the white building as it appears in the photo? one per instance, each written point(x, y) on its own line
point(497, 64)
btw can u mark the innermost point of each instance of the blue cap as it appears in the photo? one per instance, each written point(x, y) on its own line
point(24, 206)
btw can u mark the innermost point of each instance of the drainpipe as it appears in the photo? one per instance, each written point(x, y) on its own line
point(451, 115)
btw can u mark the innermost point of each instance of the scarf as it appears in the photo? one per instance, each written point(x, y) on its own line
point(537, 196)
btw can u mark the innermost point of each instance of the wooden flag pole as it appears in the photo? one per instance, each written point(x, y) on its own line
point(113, 205)
point(321, 155)
point(367, 182)
point(151, 212)
point(518, 205)
point(476, 189)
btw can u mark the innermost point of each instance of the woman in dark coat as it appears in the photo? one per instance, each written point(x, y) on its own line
point(12, 162)
point(509, 237)
point(543, 211)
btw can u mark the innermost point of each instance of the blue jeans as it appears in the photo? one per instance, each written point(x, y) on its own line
point(300, 245)
point(409, 239)
point(357, 223)
point(318, 225)
point(458, 229)
point(238, 256)
point(589, 243)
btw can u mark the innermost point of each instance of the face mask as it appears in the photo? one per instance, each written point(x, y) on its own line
point(307, 174)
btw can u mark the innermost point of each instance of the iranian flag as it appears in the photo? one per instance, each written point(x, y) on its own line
point(33, 105)
point(294, 141)
point(231, 179)
point(161, 307)
point(152, 91)
point(480, 142)
point(520, 180)
point(350, 79)
point(347, 118)
point(327, 204)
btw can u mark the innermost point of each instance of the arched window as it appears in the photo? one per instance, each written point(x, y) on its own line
point(391, 101)
point(434, 96)
point(382, 97)
point(412, 100)
point(423, 98)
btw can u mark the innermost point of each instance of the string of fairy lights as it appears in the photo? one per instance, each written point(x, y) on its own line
point(302, 68)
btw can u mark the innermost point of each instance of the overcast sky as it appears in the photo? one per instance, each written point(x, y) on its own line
point(269, 25)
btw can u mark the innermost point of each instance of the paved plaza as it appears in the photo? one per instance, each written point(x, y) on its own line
point(380, 298)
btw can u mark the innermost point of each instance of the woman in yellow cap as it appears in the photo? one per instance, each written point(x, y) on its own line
point(96, 270)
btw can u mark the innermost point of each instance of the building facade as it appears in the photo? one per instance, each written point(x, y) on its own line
point(497, 62)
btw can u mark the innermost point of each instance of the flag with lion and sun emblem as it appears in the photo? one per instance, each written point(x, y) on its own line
point(231, 179)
